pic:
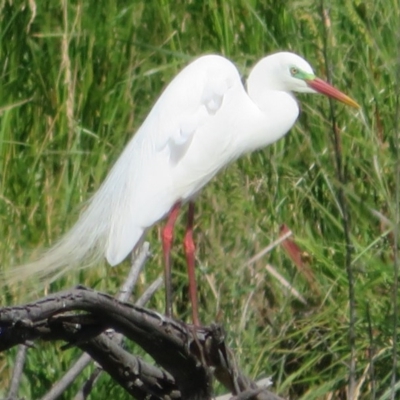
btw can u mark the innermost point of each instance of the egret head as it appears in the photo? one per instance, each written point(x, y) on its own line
point(289, 72)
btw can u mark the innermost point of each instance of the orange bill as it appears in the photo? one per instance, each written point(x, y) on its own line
point(323, 87)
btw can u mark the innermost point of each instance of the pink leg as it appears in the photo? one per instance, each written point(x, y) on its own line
point(190, 259)
point(167, 238)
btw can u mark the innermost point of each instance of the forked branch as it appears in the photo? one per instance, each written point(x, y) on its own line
point(187, 357)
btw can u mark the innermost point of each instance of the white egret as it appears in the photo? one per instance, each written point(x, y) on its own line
point(203, 120)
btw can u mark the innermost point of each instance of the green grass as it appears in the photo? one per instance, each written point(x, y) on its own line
point(77, 80)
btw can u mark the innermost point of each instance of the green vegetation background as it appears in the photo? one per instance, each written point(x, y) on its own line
point(77, 79)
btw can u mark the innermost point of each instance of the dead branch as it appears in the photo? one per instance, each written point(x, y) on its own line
point(187, 357)
point(185, 352)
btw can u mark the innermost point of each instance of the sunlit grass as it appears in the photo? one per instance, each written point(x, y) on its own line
point(77, 80)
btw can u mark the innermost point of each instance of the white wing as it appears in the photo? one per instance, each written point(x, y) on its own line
point(144, 185)
point(163, 163)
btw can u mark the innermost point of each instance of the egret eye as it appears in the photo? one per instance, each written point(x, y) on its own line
point(294, 71)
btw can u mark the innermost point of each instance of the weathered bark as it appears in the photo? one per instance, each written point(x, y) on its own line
point(187, 357)
point(185, 352)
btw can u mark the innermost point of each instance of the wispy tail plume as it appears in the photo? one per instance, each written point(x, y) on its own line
point(82, 246)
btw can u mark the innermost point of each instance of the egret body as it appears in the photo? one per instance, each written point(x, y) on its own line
point(203, 120)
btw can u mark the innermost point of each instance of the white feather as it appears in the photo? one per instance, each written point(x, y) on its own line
point(202, 121)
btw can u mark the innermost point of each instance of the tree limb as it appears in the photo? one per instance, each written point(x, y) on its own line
point(185, 352)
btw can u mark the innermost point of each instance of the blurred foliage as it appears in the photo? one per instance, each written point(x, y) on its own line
point(79, 77)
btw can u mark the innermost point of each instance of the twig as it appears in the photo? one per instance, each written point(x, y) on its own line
point(139, 261)
point(59, 387)
point(17, 373)
point(268, 248)
point(344, 210)
point(285, 283)
point(87, 387)
point(149, 292)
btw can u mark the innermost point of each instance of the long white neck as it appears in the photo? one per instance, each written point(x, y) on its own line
point(265, 80)
point(275, 109)
point(262, 79)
